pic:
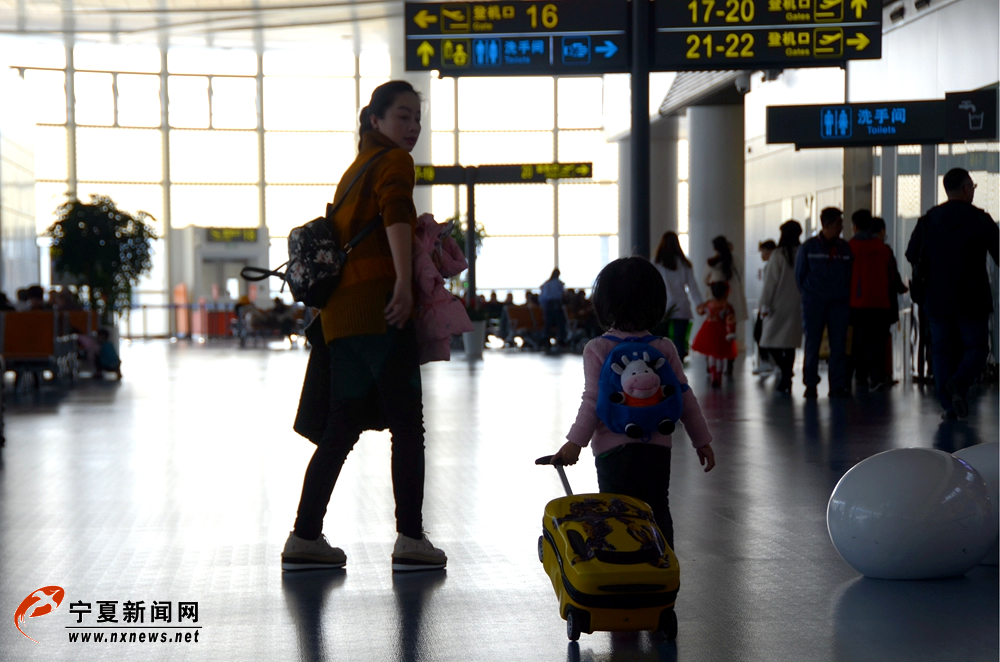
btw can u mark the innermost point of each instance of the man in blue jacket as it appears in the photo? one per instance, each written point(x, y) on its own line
point(954, 239)
point(823, 274)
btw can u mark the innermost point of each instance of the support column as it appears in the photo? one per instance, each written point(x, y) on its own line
point(859, 169)
point(928, 177)
point(715, 181)
point(639, 162)
point(625, 242)
point(421, 81)
point(716, 203)
point(902, 359)
point(663, 180)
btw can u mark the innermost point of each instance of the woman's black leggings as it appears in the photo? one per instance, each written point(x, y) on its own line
point(365, 370)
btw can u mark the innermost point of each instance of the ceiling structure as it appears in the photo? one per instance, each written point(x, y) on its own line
point(232, 23)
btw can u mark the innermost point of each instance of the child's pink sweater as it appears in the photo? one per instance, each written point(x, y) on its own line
point(588, 427)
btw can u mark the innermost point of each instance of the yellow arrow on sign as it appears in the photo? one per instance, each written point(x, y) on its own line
point(859, 6)
point(859, 41)
point(425, 51)
point(423, 19)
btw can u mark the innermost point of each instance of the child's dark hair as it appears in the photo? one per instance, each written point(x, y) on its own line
point(720, 289)
point(382, 99)
point(103, 334)
point(629, 295)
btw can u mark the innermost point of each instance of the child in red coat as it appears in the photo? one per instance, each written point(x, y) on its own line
point(716, 338)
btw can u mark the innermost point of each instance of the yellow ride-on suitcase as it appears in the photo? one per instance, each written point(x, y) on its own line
point(608, 562)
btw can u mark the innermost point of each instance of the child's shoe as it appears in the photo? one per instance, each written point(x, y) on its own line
point(411, 554)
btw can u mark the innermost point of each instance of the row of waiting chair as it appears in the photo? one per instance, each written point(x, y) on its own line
point(38, 340)
point(527, 322)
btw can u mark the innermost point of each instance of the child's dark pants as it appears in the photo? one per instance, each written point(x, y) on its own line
point(641, 471)
point(359, 366)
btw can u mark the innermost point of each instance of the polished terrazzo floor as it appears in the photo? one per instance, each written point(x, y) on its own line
point(180, 485)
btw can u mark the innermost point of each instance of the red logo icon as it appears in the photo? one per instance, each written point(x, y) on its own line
point(41, 602)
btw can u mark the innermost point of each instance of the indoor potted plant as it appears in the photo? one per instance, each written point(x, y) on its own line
point(104, 248)
point(474, 340)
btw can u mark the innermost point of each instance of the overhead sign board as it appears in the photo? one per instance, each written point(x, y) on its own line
point(231, 235)
point(960, 117)
point(517, 38)
point(521, 173)
point(764, 34)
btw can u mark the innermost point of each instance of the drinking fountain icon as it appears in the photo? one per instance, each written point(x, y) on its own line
point(975, 119)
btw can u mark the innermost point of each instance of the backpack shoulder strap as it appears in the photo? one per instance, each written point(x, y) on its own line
point(372, 224)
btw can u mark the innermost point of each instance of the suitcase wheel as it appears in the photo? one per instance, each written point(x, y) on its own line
point(668, 624)
point(541, 549)
point(572, 625)
point(577, 621)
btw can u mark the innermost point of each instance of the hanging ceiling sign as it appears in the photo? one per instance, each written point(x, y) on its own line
point(522, 173)
point(960, 117)
point(704, 35)
point(231, 235)
point(517, 38)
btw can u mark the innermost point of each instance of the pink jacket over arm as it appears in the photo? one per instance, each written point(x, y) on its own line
point(589, 428)
point(440, 315)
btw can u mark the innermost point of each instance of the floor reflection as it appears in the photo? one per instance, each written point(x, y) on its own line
point(953, 436)
point(412, 592)
point(305, 596)
point(941, 619)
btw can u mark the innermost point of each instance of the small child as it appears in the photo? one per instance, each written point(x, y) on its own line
point(716, 338)
point(107, 356)
point(629, 298)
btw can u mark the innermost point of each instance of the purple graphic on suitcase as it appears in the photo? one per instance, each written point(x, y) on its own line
point(596, 516)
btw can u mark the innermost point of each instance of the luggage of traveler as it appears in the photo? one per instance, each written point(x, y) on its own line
point(608, 562)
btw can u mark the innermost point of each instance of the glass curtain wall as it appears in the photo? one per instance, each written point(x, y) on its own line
point(530, 228)
point(224, 138)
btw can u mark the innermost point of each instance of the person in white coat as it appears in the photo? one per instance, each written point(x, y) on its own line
point(781, 305)
point(678, 276)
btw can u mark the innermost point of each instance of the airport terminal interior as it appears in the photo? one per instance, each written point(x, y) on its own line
point(164, 498)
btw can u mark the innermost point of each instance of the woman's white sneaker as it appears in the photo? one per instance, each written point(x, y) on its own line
point(302, 554)
point(411, 554)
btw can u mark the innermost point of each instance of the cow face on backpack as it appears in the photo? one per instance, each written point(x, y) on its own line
point(638, 392)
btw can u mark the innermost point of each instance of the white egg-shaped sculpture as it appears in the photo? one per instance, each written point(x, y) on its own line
point(911, 513)
point(985, 458)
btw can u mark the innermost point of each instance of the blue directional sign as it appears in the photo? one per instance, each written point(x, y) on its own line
point(961, 116)
point(836, 122)
point(518, 38)
point(576, 50)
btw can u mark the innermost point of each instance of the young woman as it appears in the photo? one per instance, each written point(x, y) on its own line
point(678, 277)
point(368, 327)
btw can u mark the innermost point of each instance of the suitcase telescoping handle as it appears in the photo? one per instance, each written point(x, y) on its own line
point(559, 467)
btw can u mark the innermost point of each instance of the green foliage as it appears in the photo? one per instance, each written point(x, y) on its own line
point(103, 247)
point(458, 233)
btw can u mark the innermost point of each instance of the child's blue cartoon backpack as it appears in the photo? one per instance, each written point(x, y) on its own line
point(638, 392)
